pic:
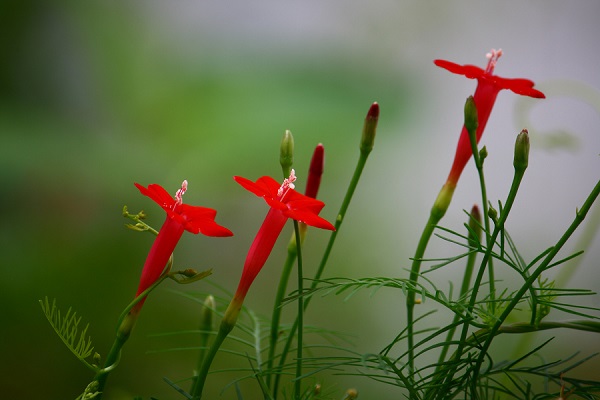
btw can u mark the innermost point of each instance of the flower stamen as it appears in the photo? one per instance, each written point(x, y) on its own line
point(288, 183)
point(179, 194)
point(493, 57)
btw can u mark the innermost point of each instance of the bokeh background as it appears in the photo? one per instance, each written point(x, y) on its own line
point(97, 95)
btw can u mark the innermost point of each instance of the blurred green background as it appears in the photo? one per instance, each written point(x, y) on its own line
point(97, 95)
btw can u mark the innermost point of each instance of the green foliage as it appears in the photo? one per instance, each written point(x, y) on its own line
point(66, 327)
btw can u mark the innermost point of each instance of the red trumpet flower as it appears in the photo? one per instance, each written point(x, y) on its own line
point(180, 217)
point(285, 202)
point(488, 87)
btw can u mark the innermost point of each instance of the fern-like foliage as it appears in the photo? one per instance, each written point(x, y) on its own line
point(66, 327)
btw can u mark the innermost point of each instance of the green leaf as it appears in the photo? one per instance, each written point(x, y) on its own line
point(66, 327)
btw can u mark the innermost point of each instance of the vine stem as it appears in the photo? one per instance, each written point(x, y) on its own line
point(434, 218)
point(338, 223)
point(300, 317)
point(276, 316)
point(478, 158)
point(579, 217)
point(518, 177)
point(474, 238)
point(125, 325)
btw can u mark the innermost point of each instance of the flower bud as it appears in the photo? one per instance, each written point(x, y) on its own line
point(315, 172)
point(369, 129)
point(351, 394)
point(474, 226)
point(521, 159)
point(483, 153)
point(206, 316)
point(286, 153)
point(471, 121)
point(442, 202)
point(493, 214)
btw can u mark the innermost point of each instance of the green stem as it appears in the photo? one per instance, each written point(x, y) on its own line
point(478, 158)
point(434, 218)
point(300, 316)
point(338, 223)
point(464, 288)
point(125, 325)
point(206, 330)
point(224, 329)
point(486, 221)
point(518, 177)
point(277, 307)
point(579, 217)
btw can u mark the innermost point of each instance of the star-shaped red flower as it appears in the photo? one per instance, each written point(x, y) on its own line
point(194, 219)
point(488, 87)
point(291, 203)
point(180, 217)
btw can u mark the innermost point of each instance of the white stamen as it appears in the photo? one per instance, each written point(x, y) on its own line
point(180, 192)
point(288, 183)
point(493, 57)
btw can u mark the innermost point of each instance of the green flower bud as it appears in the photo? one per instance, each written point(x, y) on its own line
point(471, 121)
point(493, 213)
point(206, 317)
point(442, 202)
point(483, 153)
point(286, 153)
point(475, 226)
point(521, 159)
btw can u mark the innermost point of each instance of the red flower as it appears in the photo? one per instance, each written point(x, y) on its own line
point(180, 217)
point(285, 203)
point(488, 87)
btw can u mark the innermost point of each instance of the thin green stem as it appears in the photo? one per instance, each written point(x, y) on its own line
point(338, 223)
point(198, 387)
point(125, 325)
point(277, 308)
point(518, 177)
point(300, 316)
point(464, 288)
point(206, 330)
point(434, 218)
point(579, 217)
point(477, 157)
point(565, 273)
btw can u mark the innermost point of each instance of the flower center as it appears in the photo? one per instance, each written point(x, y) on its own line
point(179, 194)
point(492, 57)
point(288, 183)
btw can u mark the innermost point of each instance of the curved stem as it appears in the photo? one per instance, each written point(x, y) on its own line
point(125, 325)
point(300, 317)
point(579, 217)
point(276, 316)
point(198, 387)
point(338, 223)
point(518, 177)
point(434, 218)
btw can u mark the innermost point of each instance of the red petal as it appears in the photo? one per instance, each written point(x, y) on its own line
point(158, 194)
point(192, 213)
point(309, 218)
point(211, 228)
point(519, 86)
point(470, 71)
point(201, 220)
point(264, 186)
